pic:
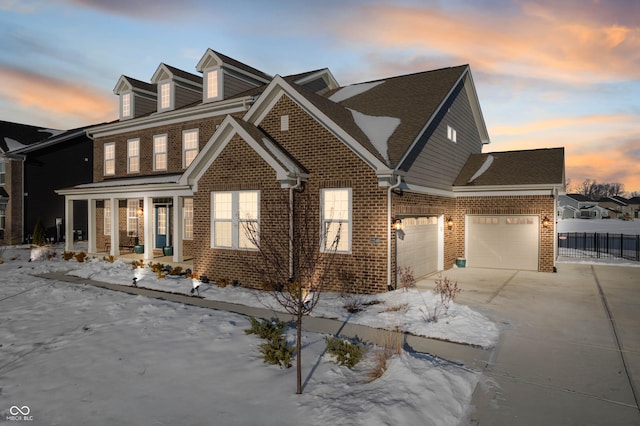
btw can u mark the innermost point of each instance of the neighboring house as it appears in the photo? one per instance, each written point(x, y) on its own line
point(194, 159)
point(578, 206)
point(36, 161)
point(618, 207)
point(634, 203)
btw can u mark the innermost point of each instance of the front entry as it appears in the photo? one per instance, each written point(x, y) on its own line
point(163, 226)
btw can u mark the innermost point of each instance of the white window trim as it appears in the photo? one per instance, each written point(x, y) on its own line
point(184, 149)
point(171, 95)
point(129, 156)
point(205, 88)
point(113, 144)
point(166, 152)
point(128, 95)
point(3, 172)
point(452, 134)
point(235, 221)
point(185, 218)
point(133, 204)
point(349, 221)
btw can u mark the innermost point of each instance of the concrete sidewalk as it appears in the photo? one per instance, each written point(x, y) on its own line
point(569, 351)
point(472, 357)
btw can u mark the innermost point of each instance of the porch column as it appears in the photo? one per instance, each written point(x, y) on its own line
point(177, 229)
point(68, 224)
point(148, 228)
point(115, 227)
point(91, 226)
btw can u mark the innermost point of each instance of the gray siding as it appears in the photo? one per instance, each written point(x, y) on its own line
point(186, 96)
point(234, 85)
point(435, 161)
point(144, 106)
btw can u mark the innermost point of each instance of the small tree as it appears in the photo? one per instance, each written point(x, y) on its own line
point(38, 233)
point(294, 260)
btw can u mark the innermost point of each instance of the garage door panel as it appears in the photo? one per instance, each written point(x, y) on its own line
point(418, 245)
point(508, 242)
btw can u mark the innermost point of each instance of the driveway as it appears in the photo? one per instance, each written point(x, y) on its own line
point(569, 351)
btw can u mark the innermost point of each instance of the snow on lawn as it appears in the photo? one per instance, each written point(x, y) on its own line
point(408, 310)
point(617, 226)
point(79, 354)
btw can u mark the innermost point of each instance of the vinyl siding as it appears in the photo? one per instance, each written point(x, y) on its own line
point(234, 85)
point(186, 96)
point(435, 161)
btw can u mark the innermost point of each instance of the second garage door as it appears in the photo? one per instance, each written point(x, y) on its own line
point(501, 241)
point(418, 245)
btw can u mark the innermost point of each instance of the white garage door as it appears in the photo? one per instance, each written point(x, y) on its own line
point(418, 245)
point(500, 241)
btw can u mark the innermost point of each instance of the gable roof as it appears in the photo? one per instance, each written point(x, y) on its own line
point(134, 84)
point(15, 136)
point(211, 54)
point(288, 170)
point(175, 73)
point(581, 198)
point(513, 168)
point(414, 99)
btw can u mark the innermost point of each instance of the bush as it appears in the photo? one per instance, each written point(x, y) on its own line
point(277, 352)
point(347, 352)
point(67, 255)
point(38, 233)
point(267, 329)
point(447, 291)
point(80, 256)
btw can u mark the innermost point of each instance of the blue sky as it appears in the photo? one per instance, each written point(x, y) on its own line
point(547, 73)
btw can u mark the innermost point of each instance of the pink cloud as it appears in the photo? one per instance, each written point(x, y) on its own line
point(62, 101)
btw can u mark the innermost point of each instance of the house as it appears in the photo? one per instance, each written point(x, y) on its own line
point(618, 207)
point(634, 203)
point(195, 159)
point(578, 206)
point(30, 170)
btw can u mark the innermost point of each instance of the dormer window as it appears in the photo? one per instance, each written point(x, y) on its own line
point(211, 81)
point(165, 96)
point(125, 105)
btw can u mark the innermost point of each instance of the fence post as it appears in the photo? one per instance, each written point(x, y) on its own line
point(638, 248)
point(621, 246)
point(596, 244)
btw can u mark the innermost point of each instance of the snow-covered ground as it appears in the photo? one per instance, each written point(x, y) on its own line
point(77, 354)
point(630, 227)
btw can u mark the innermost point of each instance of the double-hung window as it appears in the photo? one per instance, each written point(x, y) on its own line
point(110, 158)
point(211, 81)
point(132, 216)
point(336, 219)
point(133, 156)
point(189, 146)
point(235, 217)
point(125, 105)
point(3, 218)
point(160, 152)
point(3, 172)
point(187, 217)
point(165, 96)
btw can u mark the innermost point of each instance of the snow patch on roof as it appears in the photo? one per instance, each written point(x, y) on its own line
point(53, 132)
point(353, 90)
point(485, 166)
point(377, 129)
point(13, 144)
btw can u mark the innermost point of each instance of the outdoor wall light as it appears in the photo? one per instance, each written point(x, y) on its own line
point(450, 223)
point(397, 224)
point(140, 211)
point(546, 222)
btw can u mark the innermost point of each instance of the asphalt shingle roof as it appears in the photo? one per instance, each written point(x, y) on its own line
point(22, 133)
point(526, 167)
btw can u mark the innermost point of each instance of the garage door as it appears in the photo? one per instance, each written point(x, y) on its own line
point(506, 242)
point(418, 245)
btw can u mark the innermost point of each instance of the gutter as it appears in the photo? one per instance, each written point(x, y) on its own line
point(292, 189)
point(389, 191)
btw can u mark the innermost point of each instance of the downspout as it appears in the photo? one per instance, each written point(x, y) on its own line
point(291, 235)
point(390, 190)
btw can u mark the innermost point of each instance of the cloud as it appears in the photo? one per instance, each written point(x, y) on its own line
point(145, 9)
point(560, 123)
point(63, 101)
point(538, 41)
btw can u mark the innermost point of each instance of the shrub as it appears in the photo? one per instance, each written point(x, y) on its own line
point(109, 258)
point(277, 352)
point(447, 291)
point(406, 278)
point(353, 304)
point(393, 341)
point(176, 271)
point(402, 307)
point(347, 352)
point(80, 256)
point(267, 329)
point(38, 233)
point(67, 255)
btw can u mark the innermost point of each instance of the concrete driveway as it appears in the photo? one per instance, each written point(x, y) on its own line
point(569, 351)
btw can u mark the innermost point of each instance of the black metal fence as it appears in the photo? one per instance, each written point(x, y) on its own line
point(599, 245)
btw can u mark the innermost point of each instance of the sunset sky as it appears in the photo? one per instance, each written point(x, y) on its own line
point(548, 73)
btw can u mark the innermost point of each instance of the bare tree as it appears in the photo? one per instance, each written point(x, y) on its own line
point(295, 258)
point(596, 191)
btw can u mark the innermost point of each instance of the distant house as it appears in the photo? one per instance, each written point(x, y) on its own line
point(618, 207)
point(634, 204)
point(195, 157)
point(578, 206)
point(36, 161)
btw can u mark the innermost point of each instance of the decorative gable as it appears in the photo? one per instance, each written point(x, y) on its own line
point(137, 98)
point(224, 77)
point(175, 88)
